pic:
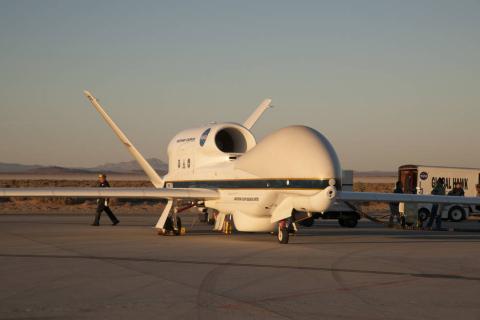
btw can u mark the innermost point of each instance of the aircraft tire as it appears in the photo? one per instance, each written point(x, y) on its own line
point(178, 231)
point(168, 225)
point(283, 235)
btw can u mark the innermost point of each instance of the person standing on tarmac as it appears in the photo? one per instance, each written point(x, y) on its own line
point(437, 209)
point(457, 190)
point(478, 195)
point(394, 209)
point(103, 204)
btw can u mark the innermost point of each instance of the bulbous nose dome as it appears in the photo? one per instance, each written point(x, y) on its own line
point(292, 152)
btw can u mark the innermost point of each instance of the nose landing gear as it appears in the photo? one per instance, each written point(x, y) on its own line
point(282, 234)
point(285, 228)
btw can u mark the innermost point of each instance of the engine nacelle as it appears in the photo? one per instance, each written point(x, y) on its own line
point(208, 145)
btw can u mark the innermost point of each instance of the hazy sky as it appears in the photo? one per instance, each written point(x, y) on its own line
point(388, 82)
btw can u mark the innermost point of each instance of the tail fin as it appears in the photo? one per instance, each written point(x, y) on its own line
point(149, 171)
point(257, 113)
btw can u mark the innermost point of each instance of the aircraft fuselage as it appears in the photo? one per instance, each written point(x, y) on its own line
point(296, 163)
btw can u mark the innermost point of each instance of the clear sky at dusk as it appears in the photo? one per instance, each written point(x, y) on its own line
point(388, 82)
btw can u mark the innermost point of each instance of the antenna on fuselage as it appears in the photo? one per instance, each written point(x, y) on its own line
point(147, 168)
point(250, 122)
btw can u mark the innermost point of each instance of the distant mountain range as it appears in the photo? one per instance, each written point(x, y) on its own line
point(127, 167)
point(130, 166)
point(119, 167)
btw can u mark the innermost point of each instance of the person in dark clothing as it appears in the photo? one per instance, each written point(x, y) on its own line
point(437, 209)
point(103, 204)
point(457, 190)
point(394, 210)
point(478, 195)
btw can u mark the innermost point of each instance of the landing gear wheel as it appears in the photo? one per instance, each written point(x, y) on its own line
point(168, 227)
point(178, 230)
point(283, 235)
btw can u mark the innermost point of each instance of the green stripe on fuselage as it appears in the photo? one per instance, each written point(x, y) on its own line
point(254, 184)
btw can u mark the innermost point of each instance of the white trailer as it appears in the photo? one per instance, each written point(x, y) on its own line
point(421, 179)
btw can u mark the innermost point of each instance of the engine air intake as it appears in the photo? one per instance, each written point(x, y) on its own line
point(230, 140)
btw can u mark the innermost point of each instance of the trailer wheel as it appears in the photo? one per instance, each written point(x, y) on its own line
point(350, 222)
point(423, 214)
point(456, 214)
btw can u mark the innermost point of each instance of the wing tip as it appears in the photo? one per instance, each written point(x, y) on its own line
point(90, 96)
point(267, 102)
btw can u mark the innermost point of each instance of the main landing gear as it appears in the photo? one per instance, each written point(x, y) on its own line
point(169, 222)
point(173, 226)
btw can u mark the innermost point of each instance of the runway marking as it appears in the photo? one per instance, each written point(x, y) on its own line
point(252, 265)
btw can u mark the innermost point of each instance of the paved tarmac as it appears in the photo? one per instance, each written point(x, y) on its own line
point(59, 267)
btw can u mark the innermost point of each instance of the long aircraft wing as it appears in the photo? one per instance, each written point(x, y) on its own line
point(94, 193)
point(399, 197)
point(156, 180)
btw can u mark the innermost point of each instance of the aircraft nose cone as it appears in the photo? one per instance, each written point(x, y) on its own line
point(296, 152)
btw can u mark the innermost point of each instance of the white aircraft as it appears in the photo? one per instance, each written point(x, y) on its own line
point(266, 186)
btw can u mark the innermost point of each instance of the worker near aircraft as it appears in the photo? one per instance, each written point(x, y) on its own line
point(478, 195)
point(457, 190)
point(103, 203)
point(394, 209)
point(438, 190)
